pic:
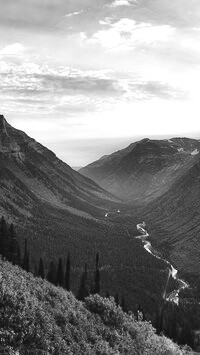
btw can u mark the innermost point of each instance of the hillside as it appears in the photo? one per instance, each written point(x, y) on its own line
point(174, 220)
point(38, 316)
point(144, 170)
point(35, 175)
point(52, 205)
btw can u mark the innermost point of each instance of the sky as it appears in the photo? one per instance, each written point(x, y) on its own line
point(88, 77)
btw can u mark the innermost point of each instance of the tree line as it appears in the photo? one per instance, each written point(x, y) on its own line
point(10, 250)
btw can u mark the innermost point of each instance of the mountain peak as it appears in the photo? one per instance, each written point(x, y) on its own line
point(3, 125)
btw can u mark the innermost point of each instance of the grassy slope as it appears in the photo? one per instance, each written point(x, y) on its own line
point(38, 315)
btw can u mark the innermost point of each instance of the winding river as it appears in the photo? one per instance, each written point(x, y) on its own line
point(173, 296)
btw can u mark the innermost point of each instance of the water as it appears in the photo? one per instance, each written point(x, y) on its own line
point(173, 296)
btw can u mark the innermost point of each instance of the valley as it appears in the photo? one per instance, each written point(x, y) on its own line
point(60, 211)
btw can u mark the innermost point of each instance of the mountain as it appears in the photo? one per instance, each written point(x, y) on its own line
point(145, 169)
point(34, 174)
point(60, 211)
point(56, 208)
point(174, 220)
point(38, 317)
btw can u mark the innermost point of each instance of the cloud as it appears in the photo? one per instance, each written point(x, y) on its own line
point(34, 87)
point(146, 90)
point(74, 13)
point(41, 78)
point(15, 49)
point(79, 84)
point(43, 90)
point(117, 3)
point(127, 34)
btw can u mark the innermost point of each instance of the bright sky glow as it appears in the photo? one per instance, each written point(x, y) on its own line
point(86, 77)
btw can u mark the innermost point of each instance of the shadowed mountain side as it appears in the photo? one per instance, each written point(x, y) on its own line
point(174, 220)
point(145, 169)
point(32, 174)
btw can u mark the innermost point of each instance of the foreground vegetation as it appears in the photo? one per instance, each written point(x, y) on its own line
point(36, 315)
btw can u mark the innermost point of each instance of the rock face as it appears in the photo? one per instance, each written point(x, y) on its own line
point(31, 174)
point(145, 169)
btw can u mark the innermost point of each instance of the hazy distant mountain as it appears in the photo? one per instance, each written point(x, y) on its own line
point(76, 167)
point(145, 169)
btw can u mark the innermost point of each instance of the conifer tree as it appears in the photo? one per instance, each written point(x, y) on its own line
point(14, 246)
point(67, 273)
point(28, 263)
point(91, 288)
point(41, 268)
point(4, 239)
point(52, 274)
point(83, 290)
point(25, 263)
point(123, 305)
point(117, 299)
point(1, 236)
point(18, 255)
point(60, 274)
point(97, 276)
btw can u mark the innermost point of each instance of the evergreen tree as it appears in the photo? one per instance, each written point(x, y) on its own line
point(159, 319)
point(14, 246)
point(1, 235)
point(60, 274)
point(67, 274)
point(28, 263)
point(97, 276)
point(4, 239)
point(107, 294)
point(51, 275)
point(140, 313)
point(18, 255)
point(117, 299)
point(25, 264)
point(41, 268)
point(35, 272)
point(123, 305)
point(83, 289)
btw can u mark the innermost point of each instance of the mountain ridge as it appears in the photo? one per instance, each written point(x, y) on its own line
point(44, 174)
point(139, 171)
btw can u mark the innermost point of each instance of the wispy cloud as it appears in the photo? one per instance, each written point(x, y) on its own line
point(44, 89)
point(75, 13)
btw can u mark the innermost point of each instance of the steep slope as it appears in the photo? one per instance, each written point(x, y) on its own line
point(145, 169)
point(33, 174)
point(174, 220)
point(54, 207)
point(41, 318)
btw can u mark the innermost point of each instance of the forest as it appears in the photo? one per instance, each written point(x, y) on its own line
point(180, 323)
